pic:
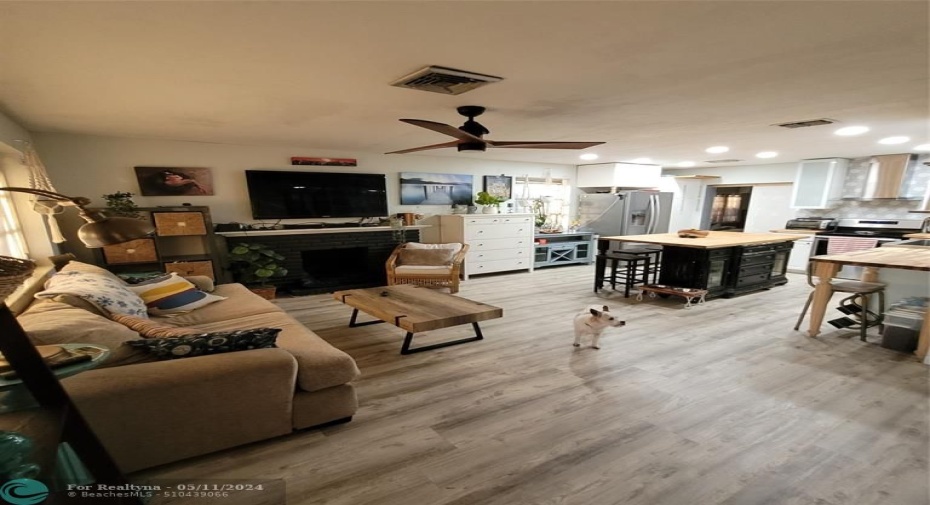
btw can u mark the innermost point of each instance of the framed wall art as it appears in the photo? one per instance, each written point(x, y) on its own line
point(435, 189)
point(169, 181)
point(499, 185)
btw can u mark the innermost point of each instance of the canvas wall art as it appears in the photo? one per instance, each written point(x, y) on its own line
point(435, 189)
point(499, 186)
point(324, 162)
point(170, 181)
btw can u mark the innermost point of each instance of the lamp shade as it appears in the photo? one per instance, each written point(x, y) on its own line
point(113, 230)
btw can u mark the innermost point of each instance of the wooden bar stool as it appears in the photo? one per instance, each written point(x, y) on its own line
point(628, 268)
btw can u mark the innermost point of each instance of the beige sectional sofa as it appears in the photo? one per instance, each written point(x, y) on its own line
point(149, 413)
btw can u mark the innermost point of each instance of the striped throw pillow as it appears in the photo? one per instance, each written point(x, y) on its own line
point(172, 294)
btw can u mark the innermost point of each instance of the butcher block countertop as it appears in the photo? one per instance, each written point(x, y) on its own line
point(918, 235)
point(714, 239)
point(904, 258)
point(798, 232)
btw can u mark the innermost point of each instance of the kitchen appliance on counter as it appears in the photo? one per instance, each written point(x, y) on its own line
point(632, 212)
point(871, 232)
point(811, 223)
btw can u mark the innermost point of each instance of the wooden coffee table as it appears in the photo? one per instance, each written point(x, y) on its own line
point(417, 309)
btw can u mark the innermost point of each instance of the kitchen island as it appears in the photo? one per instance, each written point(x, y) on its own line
point(724, 263)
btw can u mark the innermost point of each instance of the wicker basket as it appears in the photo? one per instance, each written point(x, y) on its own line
point(13, 272)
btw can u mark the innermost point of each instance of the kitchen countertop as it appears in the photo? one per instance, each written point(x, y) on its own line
point(918, 235)
point(714, 239)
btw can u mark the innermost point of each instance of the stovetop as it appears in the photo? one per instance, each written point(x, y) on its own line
point(878, 228)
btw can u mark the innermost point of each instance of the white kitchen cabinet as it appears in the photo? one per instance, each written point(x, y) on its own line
point(496, 242)
point(800, 255)
point(618, 175)
point(818, 182)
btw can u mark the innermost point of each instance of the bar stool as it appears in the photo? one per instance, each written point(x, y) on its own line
point(850, 305)
point(631, 268)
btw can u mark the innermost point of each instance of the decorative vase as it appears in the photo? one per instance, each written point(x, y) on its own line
point(490, 209)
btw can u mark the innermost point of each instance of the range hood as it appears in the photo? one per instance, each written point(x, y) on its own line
point(887, 177)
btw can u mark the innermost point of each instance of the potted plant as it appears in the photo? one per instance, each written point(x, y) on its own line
point(489, 202)
point(121, 204)
point(253, 265)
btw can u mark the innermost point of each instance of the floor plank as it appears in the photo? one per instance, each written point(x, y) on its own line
point(720, 404)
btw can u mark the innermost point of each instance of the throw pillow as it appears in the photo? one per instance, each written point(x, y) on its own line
point(105, 291)
point(87, 268)
point(172, 294)
point(208, 343)
point(425, 257)
point(150, 329)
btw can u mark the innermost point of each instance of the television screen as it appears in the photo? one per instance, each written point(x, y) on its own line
point(296, 195)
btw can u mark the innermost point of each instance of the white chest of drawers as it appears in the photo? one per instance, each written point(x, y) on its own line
point(497, 242)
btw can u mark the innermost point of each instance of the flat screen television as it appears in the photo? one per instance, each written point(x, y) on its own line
point(278, 194)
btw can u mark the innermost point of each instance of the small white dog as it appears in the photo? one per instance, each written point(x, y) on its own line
point(592, 322)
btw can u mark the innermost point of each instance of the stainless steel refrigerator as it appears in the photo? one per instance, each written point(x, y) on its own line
point(630, 212)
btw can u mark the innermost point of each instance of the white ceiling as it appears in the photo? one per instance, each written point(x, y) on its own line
point(658, 79)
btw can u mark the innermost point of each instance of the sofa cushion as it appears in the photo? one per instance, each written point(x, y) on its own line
point(105, 291)
point(208, 343)
point(319, 365)
point(51, 323)
point(151, 329)
point(240, 302)
point(172, 294)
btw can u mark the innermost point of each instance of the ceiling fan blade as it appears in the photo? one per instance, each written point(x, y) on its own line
point(425, 148)
point(543, 145)
point(444, 129)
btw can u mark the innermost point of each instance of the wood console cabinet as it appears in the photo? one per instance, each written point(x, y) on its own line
point(183, 242)
point(497, 242)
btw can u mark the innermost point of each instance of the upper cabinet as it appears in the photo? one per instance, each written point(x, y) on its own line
point(817, 182)
point(619, 175)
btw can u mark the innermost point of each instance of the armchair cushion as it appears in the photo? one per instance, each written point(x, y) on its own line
point(455, 247)
point(426, 257)
point(423, 270)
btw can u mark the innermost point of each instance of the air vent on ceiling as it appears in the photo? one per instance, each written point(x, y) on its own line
point(722, 161)
point(447, 81)
point(805, 124)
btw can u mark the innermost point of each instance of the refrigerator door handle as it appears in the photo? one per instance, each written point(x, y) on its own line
point(656, 212)
point(650, 213)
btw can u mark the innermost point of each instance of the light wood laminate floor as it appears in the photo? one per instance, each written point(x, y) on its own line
point(720, 404)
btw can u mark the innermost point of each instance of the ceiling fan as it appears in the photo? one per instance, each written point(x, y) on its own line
point(471, 135)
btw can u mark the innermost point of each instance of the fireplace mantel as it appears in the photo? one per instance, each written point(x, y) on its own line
point(309, 231)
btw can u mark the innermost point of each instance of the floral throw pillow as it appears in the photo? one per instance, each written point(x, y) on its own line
point(208, 343)
point(105, 291)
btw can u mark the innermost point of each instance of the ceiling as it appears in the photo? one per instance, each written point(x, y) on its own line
point(659, 79)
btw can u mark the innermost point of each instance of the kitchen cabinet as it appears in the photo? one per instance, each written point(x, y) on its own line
point(563, 249)
point(618, 175)
point(800, 254)
point(818, 182)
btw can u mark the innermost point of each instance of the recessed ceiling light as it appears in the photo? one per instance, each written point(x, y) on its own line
point(849, 131)
point(588, 156)
point(717, 149)
point(766, 154)
point(642, 160)
point(894, 140)
point(686, 164)
point(922, 147)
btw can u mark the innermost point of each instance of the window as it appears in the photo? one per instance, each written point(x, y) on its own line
point(12, 242)
point(547, 198)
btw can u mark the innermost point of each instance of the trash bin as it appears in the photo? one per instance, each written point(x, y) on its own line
point(902, 324)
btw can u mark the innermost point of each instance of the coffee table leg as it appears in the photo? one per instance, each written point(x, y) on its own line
point(353, 323)
point(405, 349)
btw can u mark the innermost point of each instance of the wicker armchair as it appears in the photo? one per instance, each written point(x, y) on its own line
point(431, 265)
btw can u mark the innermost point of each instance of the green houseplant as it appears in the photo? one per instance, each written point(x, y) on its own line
point(254, 264)
point(489, 201)
point(121, 204)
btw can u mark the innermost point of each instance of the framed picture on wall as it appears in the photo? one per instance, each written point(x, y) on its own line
point(435, 189)
point(169, 181)
point(499, 185)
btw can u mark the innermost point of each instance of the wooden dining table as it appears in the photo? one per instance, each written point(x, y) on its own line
point(904, 258)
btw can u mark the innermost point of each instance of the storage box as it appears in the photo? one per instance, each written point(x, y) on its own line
point(909, 320)
point(134, 251)
point(191, 268)
point(169, 224)
point(899, 338)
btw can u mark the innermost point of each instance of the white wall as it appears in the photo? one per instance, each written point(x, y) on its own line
point(94, 165)
point(769, 208)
